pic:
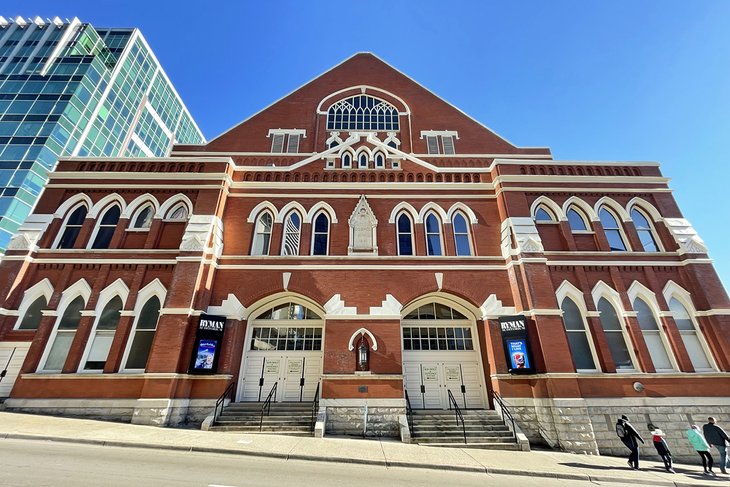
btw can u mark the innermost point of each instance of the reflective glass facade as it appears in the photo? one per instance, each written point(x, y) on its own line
point(70, 89)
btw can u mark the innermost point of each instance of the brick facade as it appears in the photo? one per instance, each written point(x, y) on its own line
point(204, 264)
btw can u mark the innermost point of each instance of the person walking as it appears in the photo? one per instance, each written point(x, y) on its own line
point(698, 442)
point(717, 437)
point(657, 437)
point(629, 436)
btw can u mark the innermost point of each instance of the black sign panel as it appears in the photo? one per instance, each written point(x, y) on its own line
point(516, 344)
point(207, 345)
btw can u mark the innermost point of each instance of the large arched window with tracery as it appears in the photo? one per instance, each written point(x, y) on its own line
point(362, 112)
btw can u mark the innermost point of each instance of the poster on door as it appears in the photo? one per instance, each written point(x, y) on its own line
point(430, 373)
point(271, 367)
point(453, 373)
point(295, 367)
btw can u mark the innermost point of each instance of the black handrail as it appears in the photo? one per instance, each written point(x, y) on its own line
point(409, 413)
point(315, 407)
point(459, 416)
point(221, 400)
point(267, 405)
point(505, 412)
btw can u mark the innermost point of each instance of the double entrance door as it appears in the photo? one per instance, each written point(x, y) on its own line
point(428, 383)
point(295, 373)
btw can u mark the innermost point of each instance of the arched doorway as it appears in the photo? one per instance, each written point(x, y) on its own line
point(283, 346)
point(441, 354)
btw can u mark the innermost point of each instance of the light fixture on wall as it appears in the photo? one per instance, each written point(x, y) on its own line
point(362, 355)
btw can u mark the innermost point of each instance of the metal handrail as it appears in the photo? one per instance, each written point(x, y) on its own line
point(267, 405)
point(505, 411)
point(315, 407)
point(221, 400)
point(459, 416)
point(409, 413)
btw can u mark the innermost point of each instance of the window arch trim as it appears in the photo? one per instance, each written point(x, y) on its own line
point(66, 218)
point(620, 228)
point(411, 233)
point(98, 225)
point(603, 290)
point(41, 289)
point(171, 204)
point(315, 233)
point(440, 224)
point(152, 289)
point(551, 205)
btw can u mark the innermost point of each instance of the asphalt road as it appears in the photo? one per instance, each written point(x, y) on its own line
point(45, 463)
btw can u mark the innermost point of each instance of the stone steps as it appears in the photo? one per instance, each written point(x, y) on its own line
point(484, 429)
point(292, 419)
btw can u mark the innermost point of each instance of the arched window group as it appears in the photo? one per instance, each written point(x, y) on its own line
point(362, 112)
point(321, 217)
point(614, 329)
point(610, 214)
point(105, 327)
point(109, 211)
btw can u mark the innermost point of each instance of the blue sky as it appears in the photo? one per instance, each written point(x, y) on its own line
point(619, 80)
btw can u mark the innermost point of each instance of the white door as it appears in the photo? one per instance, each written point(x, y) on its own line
point(296, 376)
point(428, 382)
point(12, 356)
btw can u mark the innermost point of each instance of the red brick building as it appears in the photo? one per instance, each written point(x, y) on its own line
point(363, 211)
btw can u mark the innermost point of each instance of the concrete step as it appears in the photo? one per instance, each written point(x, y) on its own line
point(459, 433)
point(273, 431)
point(483, 446)
point(460, 439)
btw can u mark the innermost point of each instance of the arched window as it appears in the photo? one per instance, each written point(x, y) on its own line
point(321, 234)
point(362, 161)
point(652, 336)
point(461, 234)
point(106, 228)
point(292, 233)
point(346, 160)
point(101, 340)
point(273, 329)
point(144, 217)
point(576, 221)
point(72, 227)
point(612, 229)
point(614, 335)
point(32, 318)
point(64, 336)
point(643, 228)
point(362, 112)
point(690, 336)
point(544, 215)
point(433, 235)
point(379, 161)
point(405, 235)
point(436, 326)
point(178, 213)
point(262, 234)
point(578, 338)
point(143, 334)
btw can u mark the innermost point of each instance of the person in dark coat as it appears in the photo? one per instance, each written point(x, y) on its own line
point(629, 436)
point(657, 437)
point(717, 437)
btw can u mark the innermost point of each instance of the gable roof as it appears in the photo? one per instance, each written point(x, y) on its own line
point(298, 110)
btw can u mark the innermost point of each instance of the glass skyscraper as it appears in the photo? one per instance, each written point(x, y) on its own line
point(70, 89)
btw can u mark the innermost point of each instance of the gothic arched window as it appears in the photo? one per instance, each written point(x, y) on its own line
point(362, 112)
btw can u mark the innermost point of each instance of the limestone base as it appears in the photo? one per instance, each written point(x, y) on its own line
point(154, 412)
point(364, 418)
point(588, 425)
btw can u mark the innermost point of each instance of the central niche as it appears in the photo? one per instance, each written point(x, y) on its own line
point(363, 230)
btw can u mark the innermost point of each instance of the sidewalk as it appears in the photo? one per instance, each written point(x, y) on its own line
point(387, 453)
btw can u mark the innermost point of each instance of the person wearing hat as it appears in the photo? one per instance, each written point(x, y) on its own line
point(629, 436)
point(694, 434)
point(657, 437)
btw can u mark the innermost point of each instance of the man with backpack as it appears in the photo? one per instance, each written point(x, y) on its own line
point(628, 435)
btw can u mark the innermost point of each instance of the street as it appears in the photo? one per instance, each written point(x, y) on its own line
point(44, 463)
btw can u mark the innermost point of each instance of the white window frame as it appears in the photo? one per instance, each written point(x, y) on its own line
point(603, 290)
point(285, 232)
point(437, 137)
point(155, 288)
point(117, 288)
point(548, 210)
point(621, 230)
point(362, 160)
point(659, 332)
point(379, 156)
point(285, 137)
point(582, 216)
point(259, 235)
point(349, 160)
point(62, 230)
point(43, 288)
point(97, 227)
point(652, 229)
point(135, 216)
point(412, 234)
point(467, 222)
point(567, 291)
point(329, 236)
point(79, 289)
point(441, 233)
point(673, 291)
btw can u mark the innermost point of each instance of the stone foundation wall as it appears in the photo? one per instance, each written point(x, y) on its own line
point(588, 425)
point(350, 421)
point(154, 412)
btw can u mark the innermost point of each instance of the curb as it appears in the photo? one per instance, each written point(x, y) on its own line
point(359, 461)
